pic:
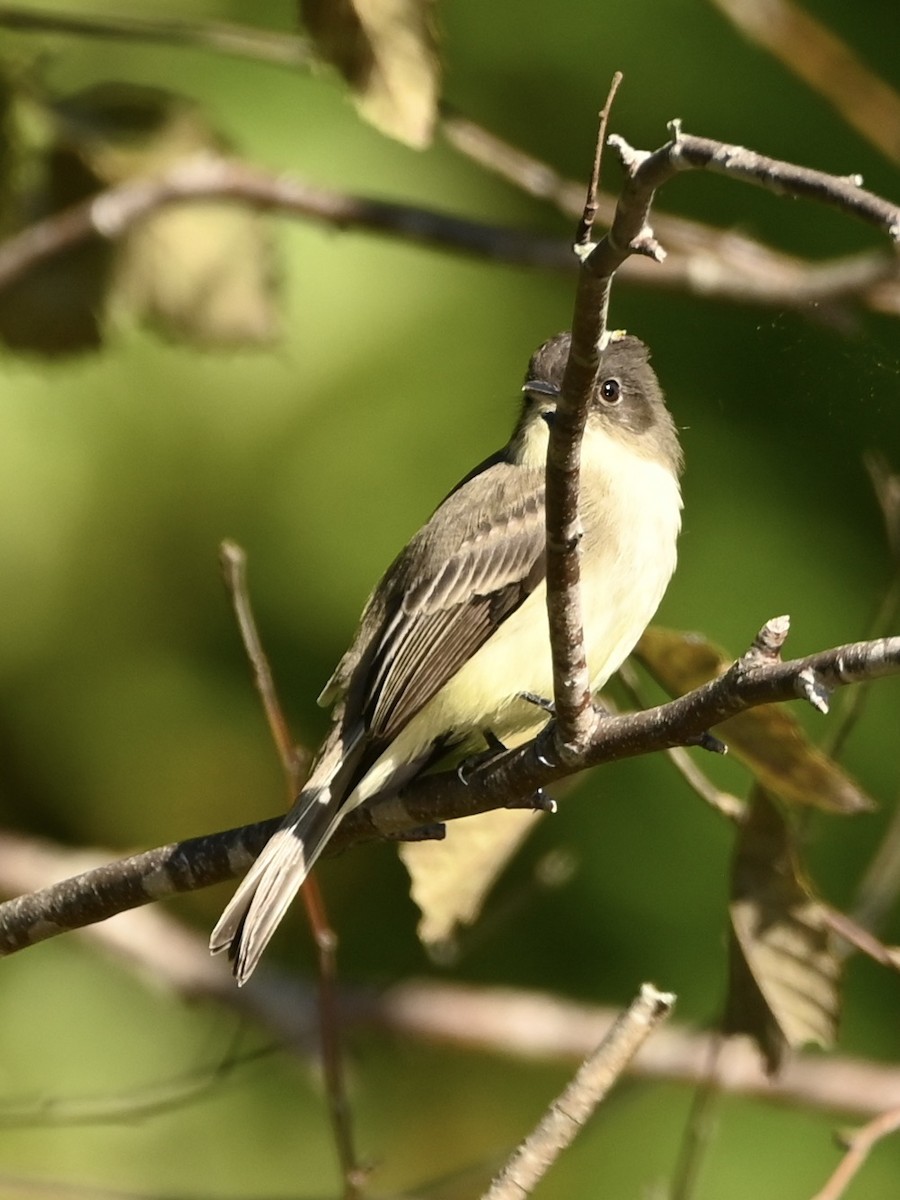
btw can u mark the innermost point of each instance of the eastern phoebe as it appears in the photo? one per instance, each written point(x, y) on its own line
point(454, 637)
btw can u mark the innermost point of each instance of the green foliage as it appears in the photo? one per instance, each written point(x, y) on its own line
point(127, 715)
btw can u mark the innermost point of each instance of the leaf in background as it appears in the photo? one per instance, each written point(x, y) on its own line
point(203, 272)
point(56, 308)
point(451, 878)
point(767, 739)
point(826, 63)
point(784, 972)
point(386, 51)
point(887, 492)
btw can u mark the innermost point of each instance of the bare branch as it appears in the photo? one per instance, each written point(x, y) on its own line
point(294, 760)
point(701, 259)
point(570, 1110)
point(529, 1026)
point(687, 151)
point(705, 261)
point(632, 234)
point(294, 763)
point(241, 41)
point(591, 204)
point(112, 213)
point(199, 862)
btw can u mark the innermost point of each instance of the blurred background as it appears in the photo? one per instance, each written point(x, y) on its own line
point(382, 371)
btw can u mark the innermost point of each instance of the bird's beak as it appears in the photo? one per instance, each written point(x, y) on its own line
point(540, 387)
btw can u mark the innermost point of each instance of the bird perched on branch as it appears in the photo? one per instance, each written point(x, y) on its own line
point(453, 642)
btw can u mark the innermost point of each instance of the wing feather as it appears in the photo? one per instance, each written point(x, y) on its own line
point(469, 576)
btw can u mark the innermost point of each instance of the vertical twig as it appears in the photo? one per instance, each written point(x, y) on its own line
point(575, 713)
point(589, 215)
point(698, 1130)
point(295, 762)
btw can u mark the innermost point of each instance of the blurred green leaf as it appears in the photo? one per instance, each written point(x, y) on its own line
point(767, 739)
point(784, 973)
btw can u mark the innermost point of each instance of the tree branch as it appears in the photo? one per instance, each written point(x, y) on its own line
point(526, 1026)
point(756, 678)
point(568, 1113)
point(703, 260)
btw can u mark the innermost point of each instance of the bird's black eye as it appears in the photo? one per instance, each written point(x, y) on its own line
point(611, 391)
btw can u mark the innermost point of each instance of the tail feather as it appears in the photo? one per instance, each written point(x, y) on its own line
point(266, 891)
point(264, 896)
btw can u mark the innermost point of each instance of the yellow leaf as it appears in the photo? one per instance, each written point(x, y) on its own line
point(767, 739)
point(784, 972)
point(386, 51)
point(451, 878)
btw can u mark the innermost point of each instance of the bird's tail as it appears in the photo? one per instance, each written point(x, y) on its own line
point(265, 893)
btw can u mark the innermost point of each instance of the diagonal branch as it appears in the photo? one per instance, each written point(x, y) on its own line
point(755, 679)
point(568, 1113)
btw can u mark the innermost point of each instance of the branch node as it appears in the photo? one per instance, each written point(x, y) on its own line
point(630, 158)
point(646, 244)
point(768, 642)
point(812, 688)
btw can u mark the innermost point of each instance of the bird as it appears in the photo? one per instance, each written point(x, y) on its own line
point(453, 644)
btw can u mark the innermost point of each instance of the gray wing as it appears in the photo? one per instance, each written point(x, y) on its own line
point(464, 572)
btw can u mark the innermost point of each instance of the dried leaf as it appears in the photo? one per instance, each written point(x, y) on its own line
point(451, 878)
point(767, 739)
point(784, 970)
point(223, 292)
point(386, 51)
point(55, 308)
point(203, 272)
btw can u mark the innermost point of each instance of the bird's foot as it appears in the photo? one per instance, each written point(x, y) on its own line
point(471, 761)
point(540, 702)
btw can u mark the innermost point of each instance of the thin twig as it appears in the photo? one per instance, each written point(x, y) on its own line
point(860, 1145)
point(706, 261)
point(241, 41)
point(294, 759)
point(699, 1128)
point(294, 763)
point(687, 151)
point(589, 212)
point(568, 1113)
point(701, 259)
point(112, 213)
point(724, 803)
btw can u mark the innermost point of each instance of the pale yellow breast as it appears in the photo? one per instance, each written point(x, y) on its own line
point(631, 513)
